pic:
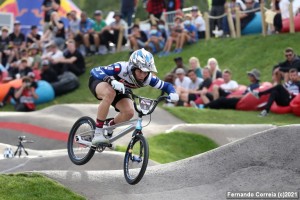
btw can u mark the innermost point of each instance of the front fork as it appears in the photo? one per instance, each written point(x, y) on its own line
point(137, 131)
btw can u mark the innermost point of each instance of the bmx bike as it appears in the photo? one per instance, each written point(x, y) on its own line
point(81, 150)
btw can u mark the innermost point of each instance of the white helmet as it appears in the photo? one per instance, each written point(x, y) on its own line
point(143, 60)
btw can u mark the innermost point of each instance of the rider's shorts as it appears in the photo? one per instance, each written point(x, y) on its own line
point(93, 82)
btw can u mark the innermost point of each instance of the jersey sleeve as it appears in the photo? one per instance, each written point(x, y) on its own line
point(159, 84)
point(105, 72)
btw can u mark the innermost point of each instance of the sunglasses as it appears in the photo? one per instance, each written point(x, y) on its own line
point(289, 55)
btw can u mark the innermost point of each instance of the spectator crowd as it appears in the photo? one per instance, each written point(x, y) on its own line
point(211, 87)
point(59, 51)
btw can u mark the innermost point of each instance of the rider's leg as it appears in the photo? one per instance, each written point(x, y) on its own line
point(125, 106)
point(105, 92)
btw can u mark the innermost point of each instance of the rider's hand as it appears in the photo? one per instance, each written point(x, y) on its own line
point(173, 97)
point(118, 86)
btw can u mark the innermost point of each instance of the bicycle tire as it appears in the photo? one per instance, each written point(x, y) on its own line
point(128, 158)
point(75, 159)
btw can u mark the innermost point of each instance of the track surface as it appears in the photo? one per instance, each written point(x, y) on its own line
point(267, 161)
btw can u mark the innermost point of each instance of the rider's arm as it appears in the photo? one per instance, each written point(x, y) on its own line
point(164, 86)
point(106, 73)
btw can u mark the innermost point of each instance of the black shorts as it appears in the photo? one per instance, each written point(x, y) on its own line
point(93, 82)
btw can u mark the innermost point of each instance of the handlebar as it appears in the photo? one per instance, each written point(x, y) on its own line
point(155, 102)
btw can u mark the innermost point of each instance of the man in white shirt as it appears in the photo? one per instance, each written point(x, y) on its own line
point(182, 81)
point(52, 55)
point(115, 27)
point(226, 88)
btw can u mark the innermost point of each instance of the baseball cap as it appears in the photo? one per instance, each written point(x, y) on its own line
point(4, 28)
point(117, 13)
point(255, 73)
point(98, 12)
point(194, 8)
point(31, 74)
point(179, 71)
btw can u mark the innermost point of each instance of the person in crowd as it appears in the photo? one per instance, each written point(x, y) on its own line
point(12, 90)
point(25, 96)
point(47, 73)
point(292, 61)
point(193, 86)
point(53, 54)
point(194, 64)
point(49, 6)
point(6, 55)
point(189, 35)
point(231, 5)
point(172, 5)
point(182, 81)
point(230, 103)
point(98, 28)
point(224, 89)
point(72, 59)
point(85, 32)
point(162, 28)
point(284, 9)
point(188, 96)
point(55, 32)
point(282, 94)
point(217, 9)
point(179, 64)
point(74, 24)
point(19, 69)
point(17, 39)
point(174, 37)
point(156, 41)
point(118, 25)
point(277, 21)
point(213, 66)
point(155, 7)
point(137, 38)
point(128, 8)
point(37, 60)
point(246, 18)
point(33, 36)
point(199, 22)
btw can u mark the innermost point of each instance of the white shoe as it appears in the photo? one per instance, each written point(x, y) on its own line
point(99, 137)
point(263, 113)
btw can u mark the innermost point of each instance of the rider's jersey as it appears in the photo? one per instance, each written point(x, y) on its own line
point(121, 71)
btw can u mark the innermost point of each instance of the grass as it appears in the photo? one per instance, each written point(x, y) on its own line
point(211, 116)
point(165, 148)
point(33, 186)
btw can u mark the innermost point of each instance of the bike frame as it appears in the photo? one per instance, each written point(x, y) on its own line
point(134, 124)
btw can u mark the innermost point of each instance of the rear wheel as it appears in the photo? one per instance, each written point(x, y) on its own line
point(136, 159)
point(84, 128)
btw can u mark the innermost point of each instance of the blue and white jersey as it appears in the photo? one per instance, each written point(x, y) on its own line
point(121, 72)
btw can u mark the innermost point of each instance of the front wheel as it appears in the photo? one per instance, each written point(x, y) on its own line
point(136, 159)
point(78, 153)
